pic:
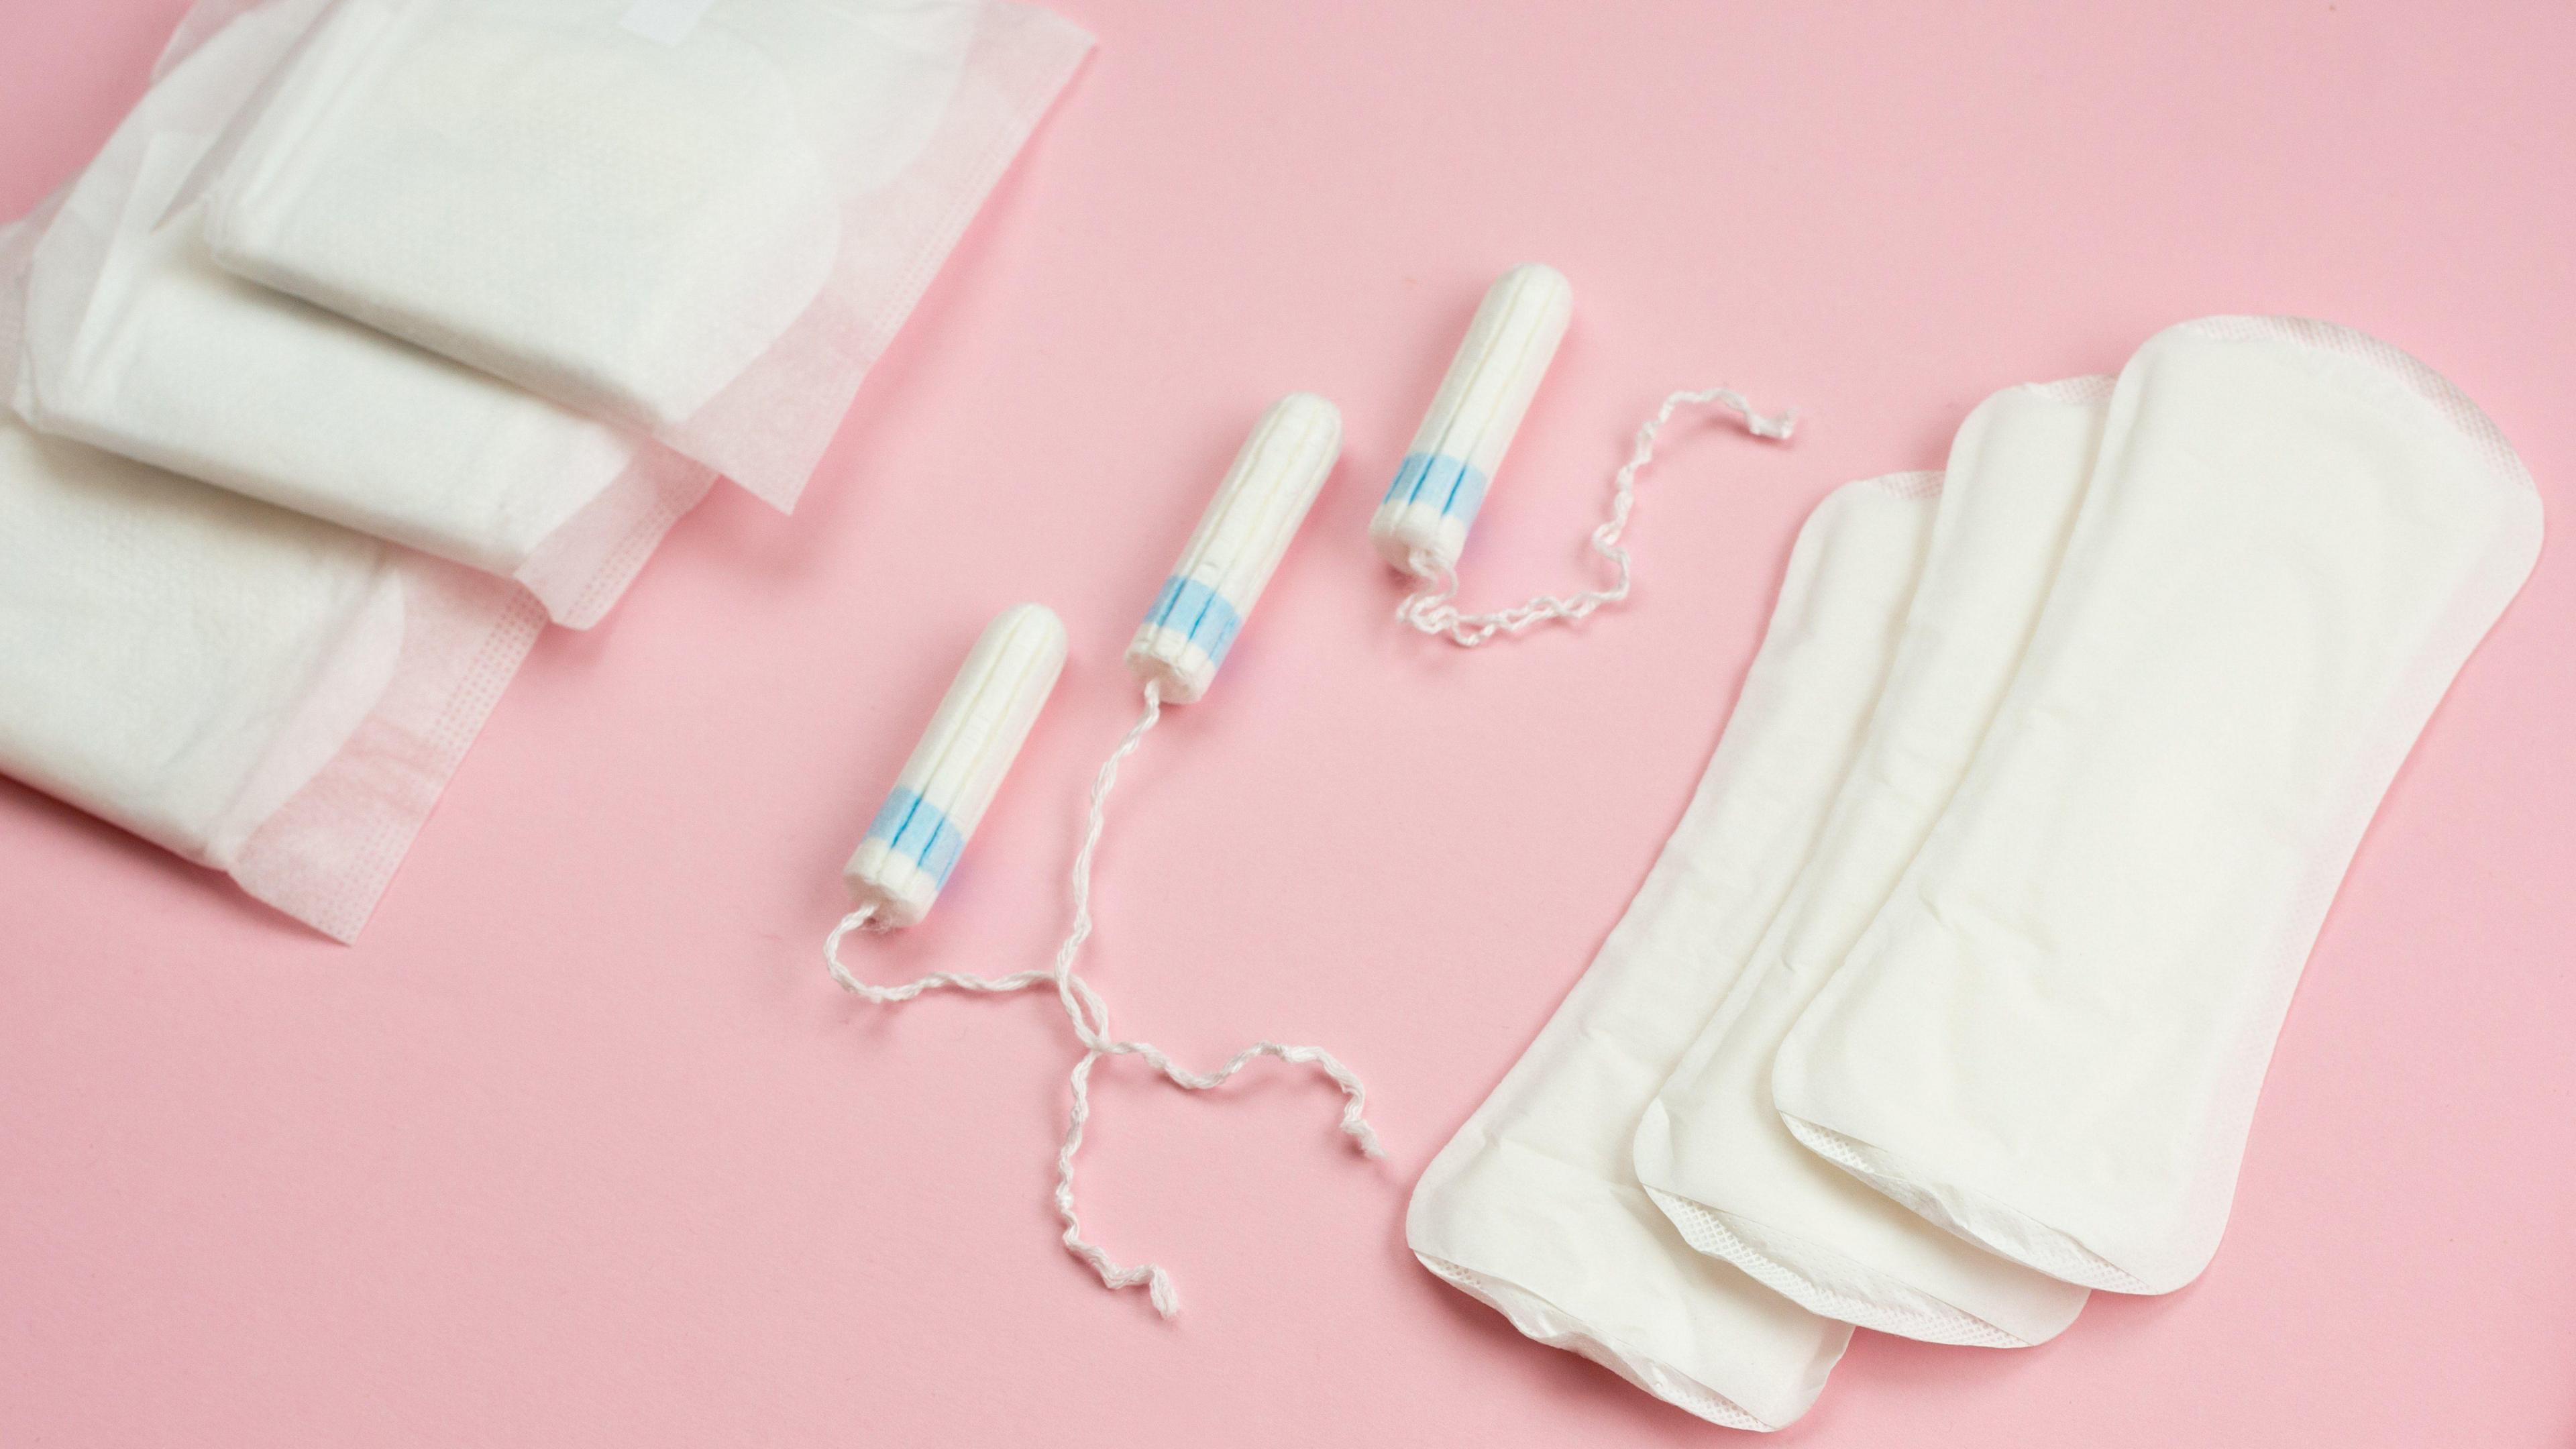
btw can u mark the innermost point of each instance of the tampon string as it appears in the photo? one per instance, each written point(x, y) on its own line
point(1088, 1013)
point(1434, 610)
point(1174, 656)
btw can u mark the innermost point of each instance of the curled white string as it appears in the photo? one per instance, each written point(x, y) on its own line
point(1088, 1013)
point(1434, 610)
point(864, 918)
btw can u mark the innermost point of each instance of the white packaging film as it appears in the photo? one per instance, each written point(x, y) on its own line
point(1711, 1150)
point(704, 226)
point(259, 692)
point(138, 344)
point(1532, 1208)
point(2051, 1039)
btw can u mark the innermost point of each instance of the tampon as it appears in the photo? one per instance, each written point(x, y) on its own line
point(942, 793)
point(1422, 526)
point(1239, 542)
point(1228, 561)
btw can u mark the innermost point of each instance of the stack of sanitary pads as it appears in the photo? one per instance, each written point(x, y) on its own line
point(382, 332)
point(1949, 1000)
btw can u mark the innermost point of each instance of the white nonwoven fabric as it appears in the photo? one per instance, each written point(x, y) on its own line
point(1711, 1149)
point(262, 693)
point(1531, 1208)
point(701, 220)
point(2051, 1039)
point(138, 344)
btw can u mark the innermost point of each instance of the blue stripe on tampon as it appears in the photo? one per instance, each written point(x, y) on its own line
point(1441, 482)
point(910, 825)
point(1197, 613)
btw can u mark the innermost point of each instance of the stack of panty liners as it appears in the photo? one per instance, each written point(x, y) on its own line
point(1532, 1207)
point(480, 295)
point(2051, 1038)
point(1950, 998)
point(1711, 1151)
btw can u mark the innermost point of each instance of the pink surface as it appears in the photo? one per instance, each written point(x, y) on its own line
point(580, 1146)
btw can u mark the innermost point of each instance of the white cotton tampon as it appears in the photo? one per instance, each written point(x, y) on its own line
point(1422, 526)
point(1194, 620)
point(942, 793)
point(1239, 542)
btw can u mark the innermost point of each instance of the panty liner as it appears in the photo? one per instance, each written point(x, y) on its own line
point(1531, 1208)
point(2051, 1039)
point(1712, 1150)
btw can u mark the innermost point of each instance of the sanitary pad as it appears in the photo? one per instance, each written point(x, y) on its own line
point(2051, 1038)
point(702, 218)
point(138, 344)
point(1711, 1150)
point(262, 693)
point(1531, 1208)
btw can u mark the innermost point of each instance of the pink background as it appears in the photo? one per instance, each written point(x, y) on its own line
point(580, 1147)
